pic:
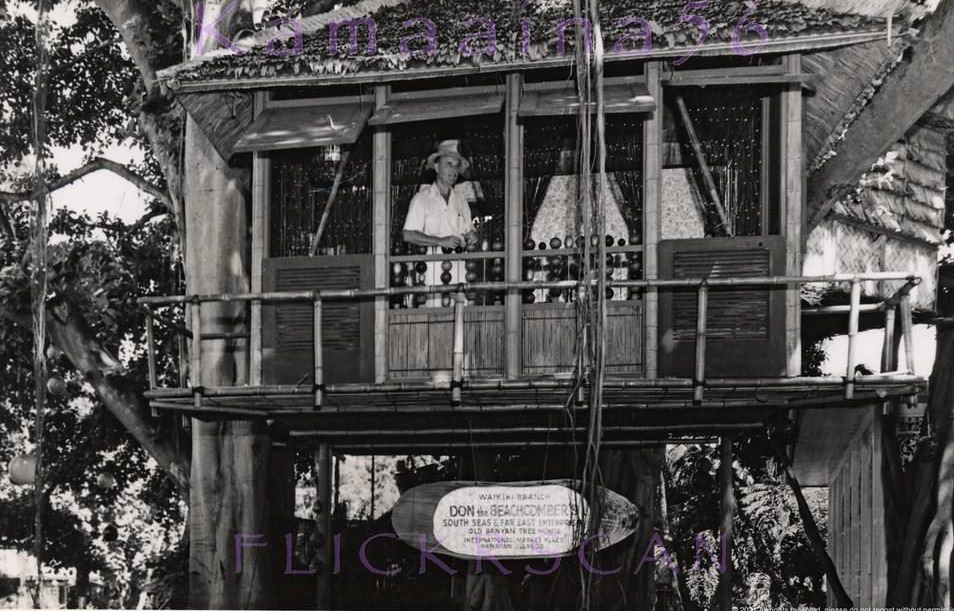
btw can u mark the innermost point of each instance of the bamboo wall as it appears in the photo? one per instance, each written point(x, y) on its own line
point(893, 222)
point(856, 517)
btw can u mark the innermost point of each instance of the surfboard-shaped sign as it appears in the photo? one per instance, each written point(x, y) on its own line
point(508, 520)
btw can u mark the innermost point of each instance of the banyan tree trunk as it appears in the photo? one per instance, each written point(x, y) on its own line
point(924, 565)
point(229, 459)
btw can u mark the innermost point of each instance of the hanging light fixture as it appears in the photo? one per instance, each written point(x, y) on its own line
point(22, 470)
point(333, 153)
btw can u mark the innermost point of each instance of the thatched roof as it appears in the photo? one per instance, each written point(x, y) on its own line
point(789, 25)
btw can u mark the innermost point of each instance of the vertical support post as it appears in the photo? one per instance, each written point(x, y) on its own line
point(889, 358)
point(323, 531)
point(261, 191)
point(380, 212)
point(195, 374)
point(793, 204)
point(907, 332)
point(727, 509)
point(700, 376)
point(853, 314)
point(458, 374)
point(652, 177)
point(514, 223)
point(319, 385)
point(150, 350)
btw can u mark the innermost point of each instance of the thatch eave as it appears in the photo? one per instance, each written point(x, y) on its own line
point(795, 44)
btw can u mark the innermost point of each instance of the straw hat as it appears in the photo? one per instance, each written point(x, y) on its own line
point(447, 148)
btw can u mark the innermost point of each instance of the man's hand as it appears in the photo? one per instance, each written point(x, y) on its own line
point(452, 241)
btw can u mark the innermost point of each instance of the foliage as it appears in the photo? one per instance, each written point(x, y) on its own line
point(768, 536)
point(98, 268)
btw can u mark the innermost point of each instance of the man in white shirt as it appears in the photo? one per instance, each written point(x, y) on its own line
point(438, 215)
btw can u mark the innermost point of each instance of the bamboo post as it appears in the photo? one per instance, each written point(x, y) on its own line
point(727, 508)
point(150, 350)
point(852, 338)
point(907, 332)
point(700, 375)
point(339, 173)
point(458, 374)
point(319, 381)
point(888, 357)
point(195, 309)
point(323, 525)
point(703, 165)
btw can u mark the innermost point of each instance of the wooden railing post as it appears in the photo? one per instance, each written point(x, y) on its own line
point(195, 309)
point(889, 360)
point(907, 332)
point(319, 381)
point(457, 378)
point(150, 350)
point(699, 378)
point(853, 314)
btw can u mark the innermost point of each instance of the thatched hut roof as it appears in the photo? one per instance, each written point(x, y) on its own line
point(790, 26)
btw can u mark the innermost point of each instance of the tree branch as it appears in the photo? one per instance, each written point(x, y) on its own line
point(94, 166)
point(74, 339)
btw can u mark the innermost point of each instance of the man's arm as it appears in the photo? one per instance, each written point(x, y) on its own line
point(422, 239)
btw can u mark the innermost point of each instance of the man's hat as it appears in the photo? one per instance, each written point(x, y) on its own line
point(447, 148)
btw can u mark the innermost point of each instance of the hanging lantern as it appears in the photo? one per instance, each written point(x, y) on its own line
point(23, 470)
point(53, 353)
point(110, 533)
point(56, 386)
point(106, 480)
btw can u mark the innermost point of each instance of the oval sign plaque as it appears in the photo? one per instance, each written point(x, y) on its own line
point(512, 520)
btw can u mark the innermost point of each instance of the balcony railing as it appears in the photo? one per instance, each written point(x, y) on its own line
point(899, 303)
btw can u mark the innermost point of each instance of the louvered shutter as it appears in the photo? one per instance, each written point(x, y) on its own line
point(346, 325)
point(744, 325)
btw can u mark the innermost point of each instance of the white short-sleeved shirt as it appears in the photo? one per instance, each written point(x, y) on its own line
point(432, 215)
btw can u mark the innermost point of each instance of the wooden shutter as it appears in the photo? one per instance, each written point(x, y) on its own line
point(741, 313)
point(346, 325)
point(745, 325)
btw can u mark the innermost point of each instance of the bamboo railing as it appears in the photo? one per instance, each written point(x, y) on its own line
point(899, 303)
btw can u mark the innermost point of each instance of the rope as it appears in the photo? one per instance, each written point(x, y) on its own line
point(38, 281)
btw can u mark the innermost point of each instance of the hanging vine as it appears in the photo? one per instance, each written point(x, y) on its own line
point(38, 280)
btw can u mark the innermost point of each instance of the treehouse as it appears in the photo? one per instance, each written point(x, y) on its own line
point(352, 337)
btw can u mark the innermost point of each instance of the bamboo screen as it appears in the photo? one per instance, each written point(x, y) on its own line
point(302, 181)
point(728, 122)
point(552, 224)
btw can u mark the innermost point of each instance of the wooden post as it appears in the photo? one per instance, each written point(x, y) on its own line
point(458, 374)
point(261, 194)
point(793, 204)
point(907, 332)
point(704, 166)
point(700, 376)
point(652, 178)
point(195, 309)
point(889, 359)
point(323, 530)
point(727, 508)
point(319, 384)
point(853, 314)
point(150, 350)
point(514, 222)
point(381, 181)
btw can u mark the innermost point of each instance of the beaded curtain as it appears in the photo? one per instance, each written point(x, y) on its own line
point(549, 145)
point(481, 142)
point(728, 122)
point(301, 182)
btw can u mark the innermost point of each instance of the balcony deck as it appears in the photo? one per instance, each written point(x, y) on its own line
point(450, 408)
